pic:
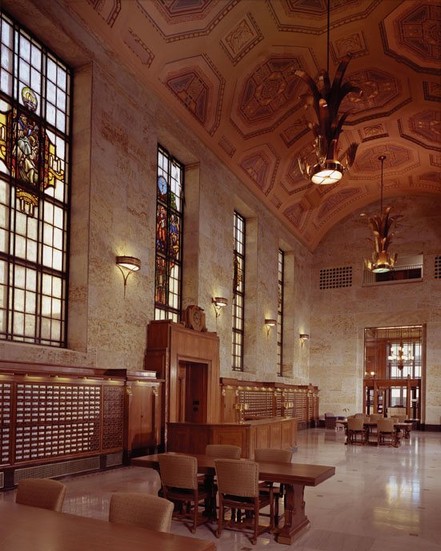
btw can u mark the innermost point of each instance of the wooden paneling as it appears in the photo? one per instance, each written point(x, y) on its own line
point(244, 401)
point(186, 359)
point(143, 420)
point(50, 414)
point(266, 433)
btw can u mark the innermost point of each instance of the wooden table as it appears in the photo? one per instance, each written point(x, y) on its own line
point(25, 528)
point(399, 426)
point(295, 476)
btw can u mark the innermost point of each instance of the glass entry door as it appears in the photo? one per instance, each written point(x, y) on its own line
point(394, 367)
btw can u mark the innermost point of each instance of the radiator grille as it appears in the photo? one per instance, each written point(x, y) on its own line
point(114, 459)
point(53, 470)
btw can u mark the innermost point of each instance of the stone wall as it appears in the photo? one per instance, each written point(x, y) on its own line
point(339, 316)
point(116, 128)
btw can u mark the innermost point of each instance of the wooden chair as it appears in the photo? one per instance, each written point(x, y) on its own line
point(219, 451)
point(356, 432)
point(223, 451)
point(180, 484)
point(386, 433)
point(273, 456)
point(238, 489)
point(147, 511)
point(41, 492)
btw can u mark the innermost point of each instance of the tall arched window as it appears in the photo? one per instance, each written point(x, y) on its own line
point(35, 103)
point(238, 320)
point(169, 227)
point(280, 309)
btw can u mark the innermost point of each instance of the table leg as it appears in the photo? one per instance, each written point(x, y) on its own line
point(210, 502)
point(295, 517)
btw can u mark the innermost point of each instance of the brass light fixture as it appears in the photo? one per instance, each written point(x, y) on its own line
point(127, 265)
point(402, 354)
point(218, 304)
point(269, 322)
point(382, 261)
point(304, 337)
point(325, 99)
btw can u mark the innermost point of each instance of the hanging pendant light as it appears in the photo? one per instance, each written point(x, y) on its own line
point(401, 355)
point(325, 100)
point(382, 261)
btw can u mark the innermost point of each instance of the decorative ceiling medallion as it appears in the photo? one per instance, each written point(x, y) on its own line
point(428, 125)
point(242, 39)
point(295, 214)
point(270, 89)
point(398, 158)
point(411, 34)
point(261, 167)
point(380, 89)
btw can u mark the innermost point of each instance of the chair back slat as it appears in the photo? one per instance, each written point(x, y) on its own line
point(237, 477)
point(41, 492)
point(178, 471)
point(355, 423)
point(144, 510)
point(385, 425)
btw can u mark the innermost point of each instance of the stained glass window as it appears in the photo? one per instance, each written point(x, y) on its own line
point(280, 291)
point(169, 218)
point(238, 292)
point(35, 99)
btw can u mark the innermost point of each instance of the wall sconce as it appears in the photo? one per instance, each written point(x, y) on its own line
point(127, 265)
point(269, 322)
point(304, 337)
point(218, 304)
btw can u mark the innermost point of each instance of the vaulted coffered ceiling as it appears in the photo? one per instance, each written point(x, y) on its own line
point(226, 67)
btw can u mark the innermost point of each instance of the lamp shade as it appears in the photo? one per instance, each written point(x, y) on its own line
point(330, 172)
point(129, 262)
point(220, 302)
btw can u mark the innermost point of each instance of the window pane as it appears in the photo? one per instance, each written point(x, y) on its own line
point(169, 218)
point(238, 291)
point(33, 188)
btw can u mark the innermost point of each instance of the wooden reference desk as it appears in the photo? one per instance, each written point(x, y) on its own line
point(295, 476)
point(274, 432)
point(24, 528)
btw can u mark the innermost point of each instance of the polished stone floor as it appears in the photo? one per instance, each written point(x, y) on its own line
point(380, 499)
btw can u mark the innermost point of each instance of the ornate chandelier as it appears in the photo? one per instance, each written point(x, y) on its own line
point(381, 224)
point(325, 99)
point(402, 354)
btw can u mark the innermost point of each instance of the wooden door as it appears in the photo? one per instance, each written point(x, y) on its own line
point(192, 392)
point(181, 392)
